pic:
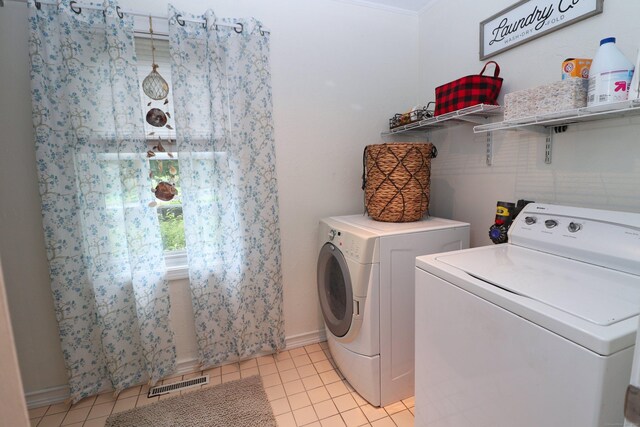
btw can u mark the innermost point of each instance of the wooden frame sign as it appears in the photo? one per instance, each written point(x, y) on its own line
point(530, 19)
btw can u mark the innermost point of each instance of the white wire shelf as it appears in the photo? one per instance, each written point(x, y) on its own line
point(475, 114)
point(562, 118)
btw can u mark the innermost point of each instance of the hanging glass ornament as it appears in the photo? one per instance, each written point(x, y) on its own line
point(156, 117)
point(154, 86)
point(165, 191)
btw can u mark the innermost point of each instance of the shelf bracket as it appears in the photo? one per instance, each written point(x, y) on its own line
point(548, 146)
point(476, 120)
point(489, 153)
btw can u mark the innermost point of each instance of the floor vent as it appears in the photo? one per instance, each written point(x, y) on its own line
point(180, 385)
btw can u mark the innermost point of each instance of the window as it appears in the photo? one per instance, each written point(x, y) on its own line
point(163, 162)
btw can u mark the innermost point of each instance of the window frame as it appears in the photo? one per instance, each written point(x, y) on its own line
point(176, 262)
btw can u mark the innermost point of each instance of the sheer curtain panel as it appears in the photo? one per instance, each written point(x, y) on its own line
point(102, 238)
point(224, 128)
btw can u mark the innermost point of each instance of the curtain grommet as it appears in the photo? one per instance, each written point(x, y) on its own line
point(235, 28)
point(119, 12)
point(179, 20)
point(72, 5)
point(38, 5)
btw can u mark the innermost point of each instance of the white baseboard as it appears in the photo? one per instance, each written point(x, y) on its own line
point(186, 366)
point(53, 395)
point(306, 338)
point(48, 396)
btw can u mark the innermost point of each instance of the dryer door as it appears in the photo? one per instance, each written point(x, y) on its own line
point(334, 290)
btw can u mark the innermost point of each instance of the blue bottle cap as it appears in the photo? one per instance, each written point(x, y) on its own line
point(607, 40)
point(494, 233)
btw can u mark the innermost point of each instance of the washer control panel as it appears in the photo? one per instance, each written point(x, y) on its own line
point(605, 238)
point(354, 244)
point(556, 225)
point(350, 247)
point(573, 227)
point(347, 243)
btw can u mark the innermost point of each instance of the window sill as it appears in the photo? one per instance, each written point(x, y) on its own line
point(176, 265)
point(177, 273)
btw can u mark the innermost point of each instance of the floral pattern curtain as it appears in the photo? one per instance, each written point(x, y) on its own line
point(224, 128)
point(102, 239)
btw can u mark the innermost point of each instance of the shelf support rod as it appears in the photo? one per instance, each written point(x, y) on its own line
point(548, 145)
point(489, 154)
point(549, 141)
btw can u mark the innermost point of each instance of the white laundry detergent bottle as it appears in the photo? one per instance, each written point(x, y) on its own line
point(610, 75)
point(634, 90)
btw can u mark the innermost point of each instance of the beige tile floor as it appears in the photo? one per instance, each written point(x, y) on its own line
point(302, 384)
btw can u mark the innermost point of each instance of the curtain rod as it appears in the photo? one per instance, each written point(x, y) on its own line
point(77, 8)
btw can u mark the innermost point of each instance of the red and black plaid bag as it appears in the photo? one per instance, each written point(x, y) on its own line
point(467, 91)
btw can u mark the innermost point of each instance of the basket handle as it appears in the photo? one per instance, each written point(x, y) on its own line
point(364, 172)
point(496, 72)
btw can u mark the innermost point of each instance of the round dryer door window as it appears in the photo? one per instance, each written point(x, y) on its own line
point(334, 290)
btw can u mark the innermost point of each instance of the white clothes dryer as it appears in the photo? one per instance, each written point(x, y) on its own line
point(366, 291)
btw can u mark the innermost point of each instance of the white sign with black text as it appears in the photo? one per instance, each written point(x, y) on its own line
point(529, 19)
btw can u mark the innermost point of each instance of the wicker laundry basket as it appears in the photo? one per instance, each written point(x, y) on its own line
point(396, 179)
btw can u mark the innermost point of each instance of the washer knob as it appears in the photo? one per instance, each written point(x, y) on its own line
point(574, 226)
point(530, 220)
point(550, 223)
point(332, 234)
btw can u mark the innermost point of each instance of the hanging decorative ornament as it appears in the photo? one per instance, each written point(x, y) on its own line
point(154, 86)
point(156, 117)
point(165, 191)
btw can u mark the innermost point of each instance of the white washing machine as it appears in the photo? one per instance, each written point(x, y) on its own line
point(366, 291)
point(536, 332)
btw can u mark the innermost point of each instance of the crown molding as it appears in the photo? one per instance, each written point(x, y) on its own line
point(372, 5)
point(363, 3)
point(427, 6)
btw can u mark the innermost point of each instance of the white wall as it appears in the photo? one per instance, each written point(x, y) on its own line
point(21, 238)
point(339, 71)
point(594, 164)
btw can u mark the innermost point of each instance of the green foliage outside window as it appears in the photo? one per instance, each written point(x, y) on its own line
point(172, 228)
point(169, 213)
